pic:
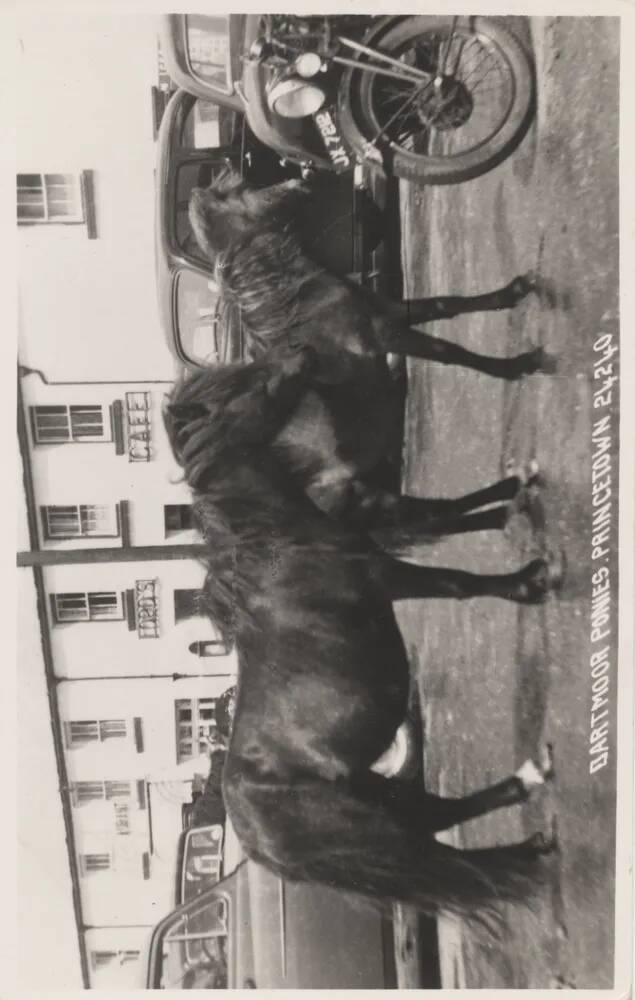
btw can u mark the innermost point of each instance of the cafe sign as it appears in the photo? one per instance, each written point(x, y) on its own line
point(138, 426)
point(147, 608)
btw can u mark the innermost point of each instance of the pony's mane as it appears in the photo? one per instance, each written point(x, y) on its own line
point(265, 275)
point(201, 425)
point(246, 505)
point(263, 270)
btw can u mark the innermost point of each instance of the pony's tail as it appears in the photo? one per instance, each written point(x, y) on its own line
point(369, 837)
point(441, 880)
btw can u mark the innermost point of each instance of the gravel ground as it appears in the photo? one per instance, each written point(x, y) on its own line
point(497, 680)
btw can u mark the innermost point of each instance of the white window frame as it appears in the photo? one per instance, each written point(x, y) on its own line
point(120, 955)
point(90, 611)
point(201, 727)
point(87, 869)
point(100, 729)
point(71, 195)
point(84, 520)
point(108, 790)
point(180, 507)
point(69, 416)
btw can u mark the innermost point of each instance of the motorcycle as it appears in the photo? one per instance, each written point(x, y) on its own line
point(433, 99)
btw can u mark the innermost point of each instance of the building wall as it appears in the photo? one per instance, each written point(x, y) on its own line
point(91, 472)
point(84, 103)
point(88, 313)
point(126, 893)
point(109, 951)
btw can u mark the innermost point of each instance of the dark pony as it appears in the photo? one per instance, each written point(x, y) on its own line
point(323, 672)
point(285, 297)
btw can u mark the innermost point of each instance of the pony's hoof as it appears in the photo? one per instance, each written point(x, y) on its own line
point(557, 569)
point(536, 362)
point(547, 363)
point(540, 843)
point(527, 473)
point(534, 582)
point(540, 577)
point(522, 285)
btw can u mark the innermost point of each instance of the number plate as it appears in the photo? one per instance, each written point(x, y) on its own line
point(327, 127)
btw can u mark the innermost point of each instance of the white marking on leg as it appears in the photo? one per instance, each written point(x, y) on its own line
point(394, 758)
point(530, 775)
point(524, 472)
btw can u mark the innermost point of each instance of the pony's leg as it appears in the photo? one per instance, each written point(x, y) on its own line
point(405, 509)
point(442, 813)
point(447, 306)
point(415, 516)
point(378, 508)
point(417, 344)
point(528, 585)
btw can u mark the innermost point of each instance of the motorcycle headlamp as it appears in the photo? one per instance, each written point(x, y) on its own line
point(295, 98)
point(308, 64)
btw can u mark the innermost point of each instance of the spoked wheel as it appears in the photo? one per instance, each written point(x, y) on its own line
point(460, 105)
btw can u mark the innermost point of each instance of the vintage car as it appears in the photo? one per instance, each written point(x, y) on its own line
point(402, 95)
point(197, 140)
point(253, 930)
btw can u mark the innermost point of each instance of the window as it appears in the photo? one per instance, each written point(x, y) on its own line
point(186, 604)
point(202, 126)
point(80, 521)
point(208, 48)
point(195, 725)
point(209, 647)
point(81, 732)
point(45, 199)
point(87, 607)
point(49, 198)
point(96, 791)
point(95, 863)
point(102, 959)
point(177, 517)
point(57, 424)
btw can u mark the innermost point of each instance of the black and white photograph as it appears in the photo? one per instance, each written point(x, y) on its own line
point(323, 560)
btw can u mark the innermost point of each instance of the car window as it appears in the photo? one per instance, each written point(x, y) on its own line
point(194, 947)
point(197, 318)
point(200, 173)
point(202, 126)
point(207, 332)
point(207, 40)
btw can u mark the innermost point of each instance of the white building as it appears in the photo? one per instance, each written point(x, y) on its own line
point(131, 669)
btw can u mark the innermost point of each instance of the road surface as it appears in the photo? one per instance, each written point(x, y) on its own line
point(497, 680)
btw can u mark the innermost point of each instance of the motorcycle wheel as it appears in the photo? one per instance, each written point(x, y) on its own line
point(468, 115)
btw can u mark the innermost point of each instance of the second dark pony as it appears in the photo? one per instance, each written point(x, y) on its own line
point(323, 673)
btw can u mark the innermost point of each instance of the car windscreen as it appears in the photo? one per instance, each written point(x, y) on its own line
point(192, 952)
point(207, 333)
point(207, 40)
